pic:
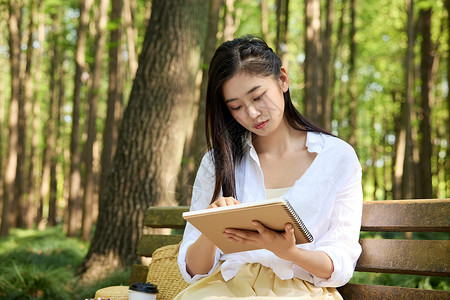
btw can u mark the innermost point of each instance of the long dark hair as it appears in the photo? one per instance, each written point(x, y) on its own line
point(252, 56)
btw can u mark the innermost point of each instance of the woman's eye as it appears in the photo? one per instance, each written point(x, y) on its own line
point(236, 108)
point(258, 98)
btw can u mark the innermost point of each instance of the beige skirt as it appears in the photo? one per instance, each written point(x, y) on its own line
point(254, 281)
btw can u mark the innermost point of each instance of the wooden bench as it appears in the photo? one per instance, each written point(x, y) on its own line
point(380, 255)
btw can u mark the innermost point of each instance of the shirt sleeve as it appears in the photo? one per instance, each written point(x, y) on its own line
point(201, 197)
point(341, 242)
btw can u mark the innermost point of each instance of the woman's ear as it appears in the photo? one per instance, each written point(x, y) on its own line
point(284, 80)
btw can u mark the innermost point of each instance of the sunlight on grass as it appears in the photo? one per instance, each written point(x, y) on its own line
point(42, 265)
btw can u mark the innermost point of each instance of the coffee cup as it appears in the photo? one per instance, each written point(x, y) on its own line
point(142, 291)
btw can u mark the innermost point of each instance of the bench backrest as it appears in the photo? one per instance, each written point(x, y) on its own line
point(380, 255)
point(406, 255)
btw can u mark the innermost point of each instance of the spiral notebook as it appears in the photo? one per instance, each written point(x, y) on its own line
point(274, 214)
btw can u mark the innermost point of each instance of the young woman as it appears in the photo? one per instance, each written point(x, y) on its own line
point(261, 147)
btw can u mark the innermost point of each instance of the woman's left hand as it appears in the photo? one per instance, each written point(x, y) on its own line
point(282, 244)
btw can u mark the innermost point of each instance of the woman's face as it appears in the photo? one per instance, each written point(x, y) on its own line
point(257, 103)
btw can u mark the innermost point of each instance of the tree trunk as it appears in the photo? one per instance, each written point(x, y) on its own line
point(352, 75)
point(339, 95)
point(33, 215)
point(313, 49)
point(9, 214)
point(91, 176)
point(115, 93)
point(24, 113)
point(74, 205)
point(229, 26)
point(447, 156)
point(407, 171)
point(55, 166)
point(282, 30)
point(131, 37)
point(195, 146)
point(326, 67)
point(400, 151)
point(30, 90)
point(152, 132)
point(426, 64)
point(2, 120)
point(48, 164)
point(264, 19)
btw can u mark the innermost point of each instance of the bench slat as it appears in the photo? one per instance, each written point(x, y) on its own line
point(165, 217)
point(415, 257)
point(407, 215)
point(149, 243)
point(353, 291)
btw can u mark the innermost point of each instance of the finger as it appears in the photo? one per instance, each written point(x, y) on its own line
point(224, 201)
point(289, 231)
point(288, 227)
point(260, 227)
point(219, 202)
point(240, 234)
point(230, 201)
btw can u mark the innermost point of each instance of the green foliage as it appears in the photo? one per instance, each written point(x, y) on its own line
point(42, 265)
point(410, 281)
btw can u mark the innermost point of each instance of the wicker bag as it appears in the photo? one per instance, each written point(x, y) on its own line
point(164, 272)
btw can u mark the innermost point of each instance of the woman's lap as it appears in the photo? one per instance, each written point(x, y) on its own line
point(254, 281)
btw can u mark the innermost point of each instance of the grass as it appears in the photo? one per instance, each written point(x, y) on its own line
point(42, 265)
point(410, 281)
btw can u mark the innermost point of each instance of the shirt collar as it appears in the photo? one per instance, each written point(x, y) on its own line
point(314, 141)
point(247, 139)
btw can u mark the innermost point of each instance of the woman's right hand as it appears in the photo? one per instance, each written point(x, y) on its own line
point(224, 201)
point(200, 255)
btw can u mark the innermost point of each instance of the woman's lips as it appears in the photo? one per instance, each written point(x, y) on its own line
point(260, 125)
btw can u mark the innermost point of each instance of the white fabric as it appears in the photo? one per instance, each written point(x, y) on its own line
point(276, 193)
point(328, 198)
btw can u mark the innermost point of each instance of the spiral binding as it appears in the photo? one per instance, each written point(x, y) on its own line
point(300, 226)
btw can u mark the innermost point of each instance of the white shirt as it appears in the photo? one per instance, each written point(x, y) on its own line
point(328, 198)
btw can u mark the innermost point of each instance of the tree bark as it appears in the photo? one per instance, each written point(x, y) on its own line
point(313, 49)
point(352, 75)
point(338, 95)
point(29, 212)
point(2, 134)
point(229, 26)
point(326, 67)
point(115, 93)
point(282, 30)
point(374, 150)
point(400, 151)
point(426, 64)
point(131, 37)
point(91, 176)
point(152, 132)
point(56, 167)
point(24, 113)
point(48, 165)
point(33, 213)
point(447, 156)
point(9, 215)
point(406, 169)
point(74, 205)
point(264, 19)
point(195, 146)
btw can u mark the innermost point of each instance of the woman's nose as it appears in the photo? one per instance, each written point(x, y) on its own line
point(253, 111)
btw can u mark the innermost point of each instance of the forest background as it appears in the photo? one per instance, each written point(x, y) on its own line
point(101, 102)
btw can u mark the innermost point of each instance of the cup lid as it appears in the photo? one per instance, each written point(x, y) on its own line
point(144, 287)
